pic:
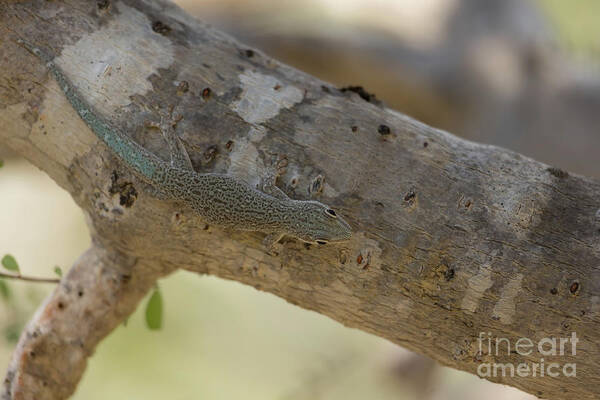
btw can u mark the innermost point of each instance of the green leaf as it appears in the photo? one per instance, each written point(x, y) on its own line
point(58, 271)
point(154, 310)
point(1, 163)
point(10, 263)
point(13, 331)
point(4, 290)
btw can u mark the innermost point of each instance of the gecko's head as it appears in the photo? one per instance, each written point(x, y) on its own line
point(317, 223)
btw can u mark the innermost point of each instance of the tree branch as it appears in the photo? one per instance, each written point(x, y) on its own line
point(26, 278)
point(451, 238)
point(97, 294)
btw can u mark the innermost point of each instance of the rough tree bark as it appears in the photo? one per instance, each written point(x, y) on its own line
point(452, 238)
point(495, 64)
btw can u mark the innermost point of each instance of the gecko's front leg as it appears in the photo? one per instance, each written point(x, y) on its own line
point(270, 241)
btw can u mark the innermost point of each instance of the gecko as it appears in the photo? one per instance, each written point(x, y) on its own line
point(218, 199)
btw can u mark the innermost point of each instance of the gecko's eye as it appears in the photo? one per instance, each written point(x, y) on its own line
point(331, 213)
point(321, 241)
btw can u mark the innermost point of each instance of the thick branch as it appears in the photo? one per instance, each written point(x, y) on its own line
point(97, 294)
point(451, 238)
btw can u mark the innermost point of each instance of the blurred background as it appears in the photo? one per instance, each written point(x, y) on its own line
point(515, 73)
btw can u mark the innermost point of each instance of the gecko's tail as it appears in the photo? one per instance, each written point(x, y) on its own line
point(36, 51)
point(143, 162)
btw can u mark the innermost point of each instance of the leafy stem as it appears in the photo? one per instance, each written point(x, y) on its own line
point(28, 278)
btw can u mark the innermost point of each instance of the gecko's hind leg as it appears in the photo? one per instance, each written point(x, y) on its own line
point(269, 180)
point(177, 152)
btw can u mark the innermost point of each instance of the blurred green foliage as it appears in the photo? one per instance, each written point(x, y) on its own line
point(10, 263)
point(4, 290)
point(576, 23)
point(154, 311)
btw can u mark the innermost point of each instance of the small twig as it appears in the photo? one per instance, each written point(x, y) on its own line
point(29, 278)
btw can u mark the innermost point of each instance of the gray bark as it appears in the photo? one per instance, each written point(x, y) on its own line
point(496, 73)
point(451, 239)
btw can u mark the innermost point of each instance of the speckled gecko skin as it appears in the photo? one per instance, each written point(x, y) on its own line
point(217, 198)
